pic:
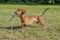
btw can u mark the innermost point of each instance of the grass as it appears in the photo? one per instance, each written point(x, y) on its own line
point(51, 30)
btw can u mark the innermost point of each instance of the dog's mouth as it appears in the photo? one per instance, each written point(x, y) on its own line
point(12, 18)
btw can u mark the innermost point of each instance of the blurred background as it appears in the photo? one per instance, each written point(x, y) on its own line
point(31, 1)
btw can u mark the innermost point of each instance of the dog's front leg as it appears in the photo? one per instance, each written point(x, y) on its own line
point(23, 25)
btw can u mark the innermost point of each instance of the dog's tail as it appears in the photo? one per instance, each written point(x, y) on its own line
point(44, 12)
point(14, 15)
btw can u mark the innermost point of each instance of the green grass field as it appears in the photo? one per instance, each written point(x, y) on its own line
point(51, 30)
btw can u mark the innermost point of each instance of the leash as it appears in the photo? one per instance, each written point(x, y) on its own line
point(12, 19)
point(11, 32)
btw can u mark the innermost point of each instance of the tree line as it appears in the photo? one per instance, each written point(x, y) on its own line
point(32, 1)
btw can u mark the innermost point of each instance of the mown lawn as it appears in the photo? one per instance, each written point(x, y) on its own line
point(51, 30)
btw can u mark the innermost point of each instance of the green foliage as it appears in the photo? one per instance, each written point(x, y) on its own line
point(32, 1)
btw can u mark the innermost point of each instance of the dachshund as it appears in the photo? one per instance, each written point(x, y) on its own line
point(27, 20)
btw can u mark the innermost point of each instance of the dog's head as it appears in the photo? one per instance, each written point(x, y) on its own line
point(20, 12)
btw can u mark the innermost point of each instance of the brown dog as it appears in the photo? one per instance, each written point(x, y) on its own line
point(27, 20)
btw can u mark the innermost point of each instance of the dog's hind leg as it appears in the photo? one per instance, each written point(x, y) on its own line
point(41, 22)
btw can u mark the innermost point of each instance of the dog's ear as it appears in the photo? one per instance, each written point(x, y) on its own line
point(18, 9)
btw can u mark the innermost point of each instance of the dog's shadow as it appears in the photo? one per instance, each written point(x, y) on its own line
point(11, 27)
point(16, 27)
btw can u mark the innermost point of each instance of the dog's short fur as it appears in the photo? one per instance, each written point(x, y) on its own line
point(27, 20)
